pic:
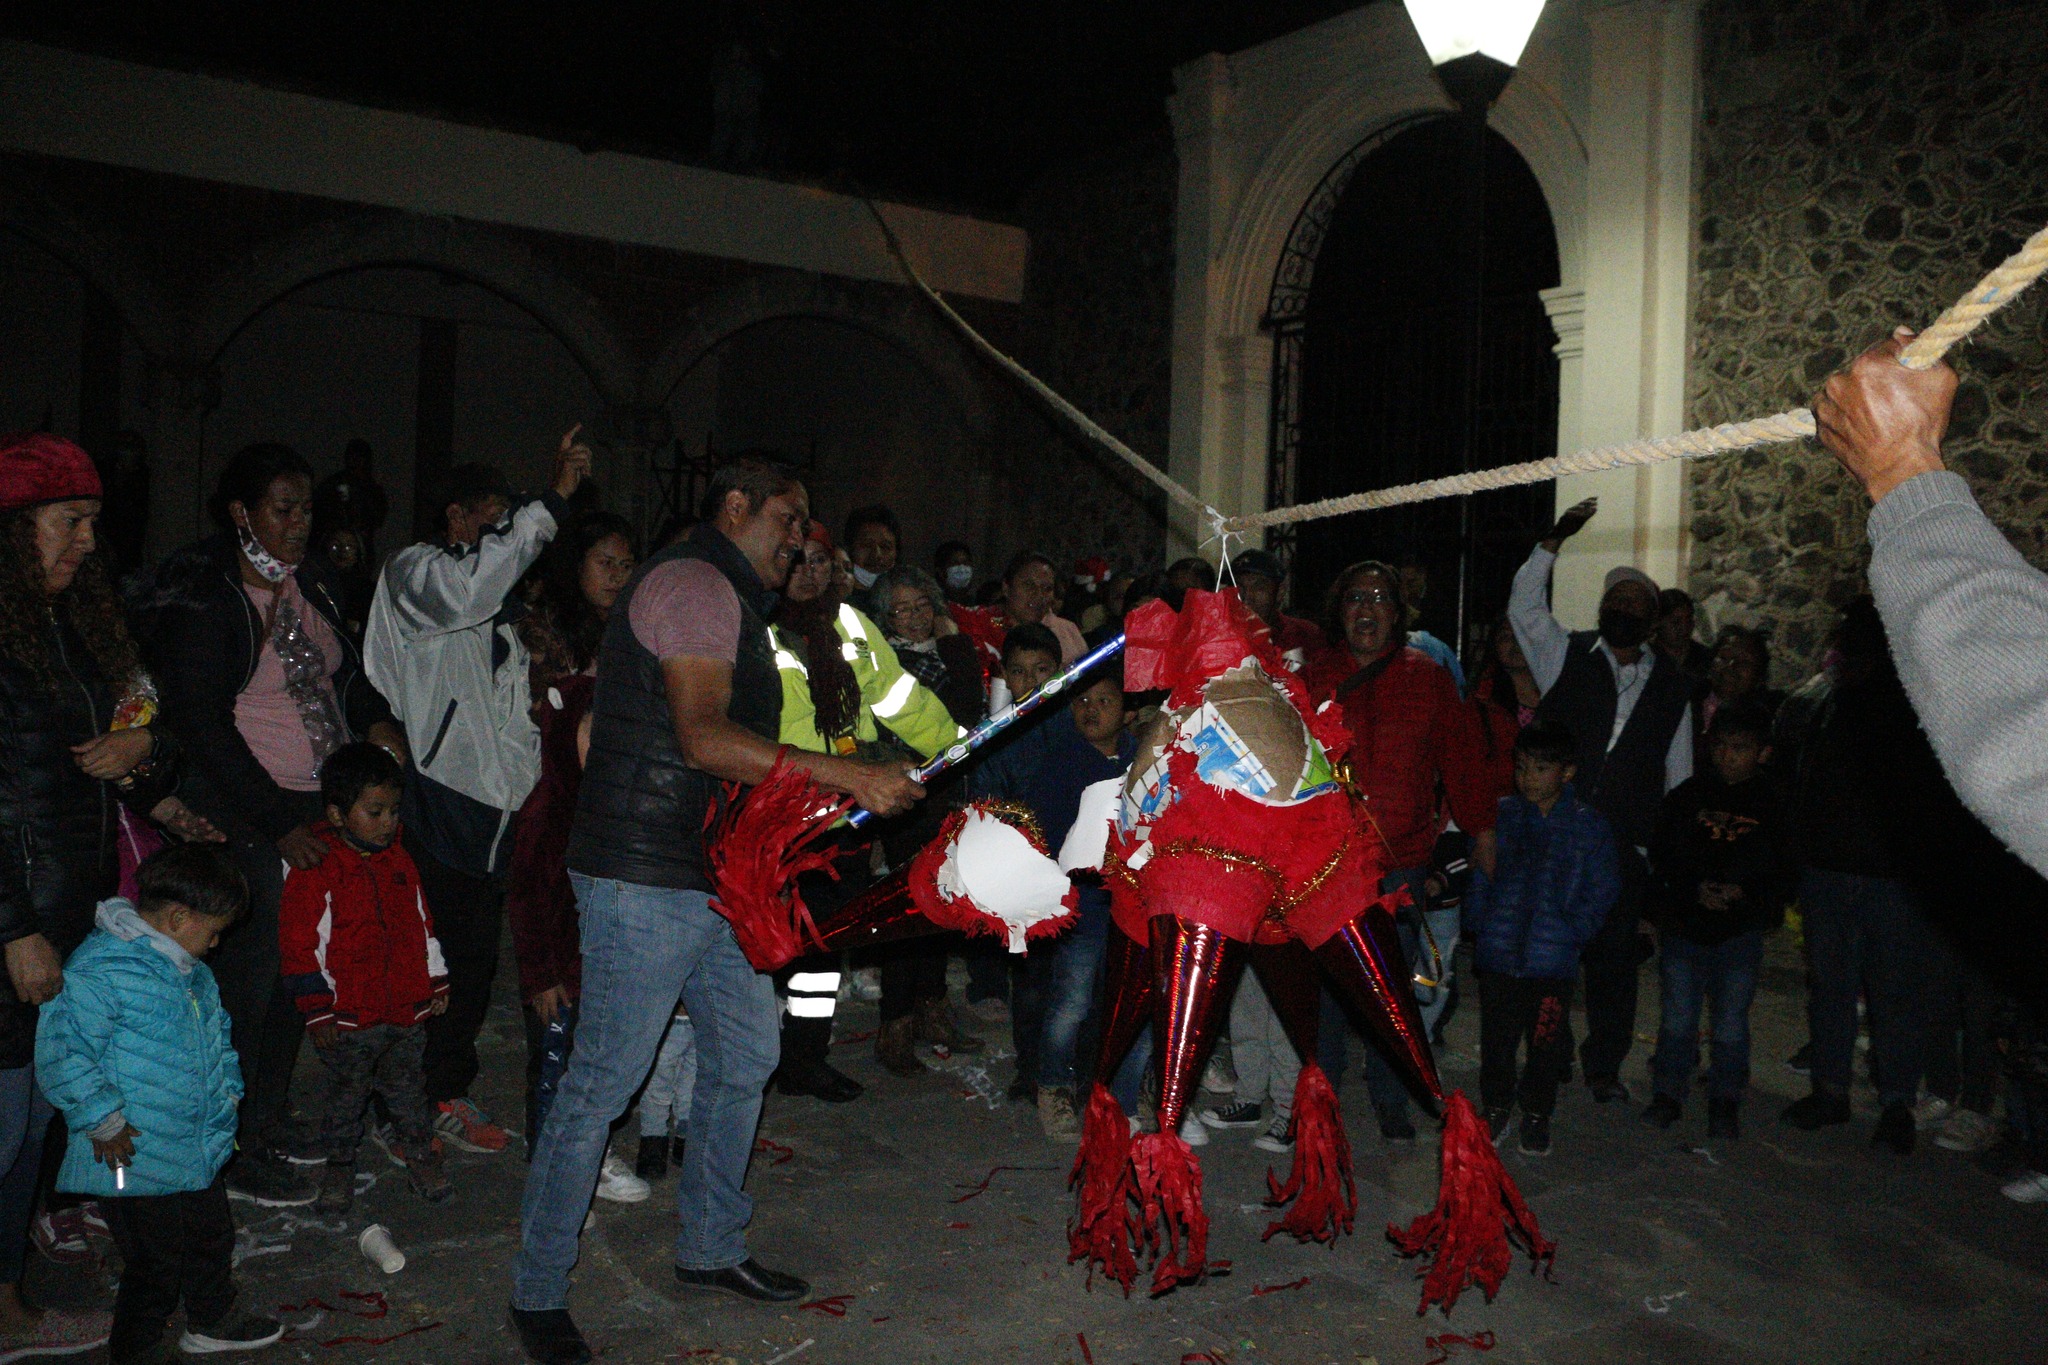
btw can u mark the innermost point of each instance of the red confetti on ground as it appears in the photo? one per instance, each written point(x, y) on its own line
point(781, 1153)
point(855, 1038)
point(1478, 1341)
point(834, 1307)
point(982, 1186)
point(959, 1227)
point(1205, 1358)
point(883, 1318)
point(1258, 1290)
point(380, 1341)
point(1087, 1356)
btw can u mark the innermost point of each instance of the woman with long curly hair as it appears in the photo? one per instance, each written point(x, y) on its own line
point(75, 743)
point(247, 635)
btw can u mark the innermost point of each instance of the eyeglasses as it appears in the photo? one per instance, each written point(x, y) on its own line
point(1368, 597)
point(912, 608)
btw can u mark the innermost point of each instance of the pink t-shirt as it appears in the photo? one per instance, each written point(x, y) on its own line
point(686, 608)
point(265, 713)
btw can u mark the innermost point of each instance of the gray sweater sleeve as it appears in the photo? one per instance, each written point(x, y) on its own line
point(1968, 619)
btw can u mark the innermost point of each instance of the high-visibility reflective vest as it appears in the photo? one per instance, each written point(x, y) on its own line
point(889, 693)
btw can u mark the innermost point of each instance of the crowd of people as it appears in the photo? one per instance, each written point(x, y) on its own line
point(277, 790)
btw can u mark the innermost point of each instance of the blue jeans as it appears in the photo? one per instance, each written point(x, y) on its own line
point(24, 1117)
point(1723, 977)
point(1863, 934)
point(642, 946)
point(1072, 987)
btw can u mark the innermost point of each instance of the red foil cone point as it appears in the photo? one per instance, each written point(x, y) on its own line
point(1478, 1220)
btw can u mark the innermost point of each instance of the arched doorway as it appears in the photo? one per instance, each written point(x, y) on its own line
point(429, 368)
point(862, 418)
point(1367, 362)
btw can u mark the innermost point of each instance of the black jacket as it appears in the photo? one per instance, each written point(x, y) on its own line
point(1623, 781)
point(641, 812)
point(203, 639)
point(58, 827)
point(1709, 831)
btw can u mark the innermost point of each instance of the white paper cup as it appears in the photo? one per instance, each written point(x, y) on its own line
point(382, 1252)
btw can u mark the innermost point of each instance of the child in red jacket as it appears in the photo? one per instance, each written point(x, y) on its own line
point(361, 959)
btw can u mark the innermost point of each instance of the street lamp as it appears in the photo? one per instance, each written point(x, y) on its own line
point(1474, 45)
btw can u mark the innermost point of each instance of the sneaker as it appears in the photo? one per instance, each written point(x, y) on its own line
point(1192, 1132)
point(385, 1135)
point(548, 1336)
point(256, 1178)
point(461, 1124)
point(1663, 1111)
point(241, 1332)
point(1278, 1137)
point(617, 1184)
point(653, 1160)
point(1895, 1129)
point(1056, 1117)
point(59, 1332)
point(864, 985)
point(1967, 1131)
point(1818, 1110)
point(1724, 1120)
point(427, 1175)
point(1219, 1077)
point(1931, 1112)
point(1535, 1135)
point(1241, 1114)
point(337, 1188)
point(1497, 1124)
point(300, 1143)
point(62, 1236)
point(2030, 1188)
point(1399, 1128)
point(1800, 1063)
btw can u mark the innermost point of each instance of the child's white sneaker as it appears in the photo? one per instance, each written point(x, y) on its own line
point(617, 1183)
point(2030, 1188)
point(1193, 1131)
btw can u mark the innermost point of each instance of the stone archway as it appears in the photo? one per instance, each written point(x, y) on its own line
point(461, 249)
point(103, 260)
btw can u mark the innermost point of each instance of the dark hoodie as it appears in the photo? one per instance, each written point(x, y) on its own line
point(1709, 831)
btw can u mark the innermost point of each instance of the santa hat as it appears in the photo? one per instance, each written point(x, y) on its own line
point(36, 467)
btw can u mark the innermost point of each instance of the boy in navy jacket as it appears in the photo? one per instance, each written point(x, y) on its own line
point(1555, 878)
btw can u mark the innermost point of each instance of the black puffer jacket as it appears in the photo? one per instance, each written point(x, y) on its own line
point(203, 638)
point(58, 827)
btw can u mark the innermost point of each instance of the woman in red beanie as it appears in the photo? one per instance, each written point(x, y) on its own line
point(74, 740)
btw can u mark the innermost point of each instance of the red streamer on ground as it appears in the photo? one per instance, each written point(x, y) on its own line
point(375, 1307)
point(981, 1187)
point(1258, 1290)
point(781, 1153)
point(959, 1227)
point(1087, 1356)
point(1205, 1358)
point(851, 1038)
point(884, 1318)
point(380, 1341)
point(1478, 1219)
point(1319, 1185)
point(1478, 1341)
point(833, 1307)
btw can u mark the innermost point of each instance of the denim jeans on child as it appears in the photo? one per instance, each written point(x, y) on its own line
point(1072, 986)
point(642, 947)
point(665, 1103)
point(1722, 977)
point(1863, 934)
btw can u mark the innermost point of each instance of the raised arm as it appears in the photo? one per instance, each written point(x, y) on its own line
point(1967, 615)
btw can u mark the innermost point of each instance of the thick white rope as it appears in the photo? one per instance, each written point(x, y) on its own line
point(1990, 294)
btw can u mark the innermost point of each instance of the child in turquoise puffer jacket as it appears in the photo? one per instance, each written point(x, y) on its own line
point(135, 1051)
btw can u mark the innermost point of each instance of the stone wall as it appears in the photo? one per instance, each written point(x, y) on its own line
point(1097, 325)
point(1861, 162)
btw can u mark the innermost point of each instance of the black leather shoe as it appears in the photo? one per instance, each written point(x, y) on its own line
point(747, 1280)
point(549, 1337)
point(1663, 1111)
point(1895, 1129)
point(1818, 1110)
point(1607, 1090)
point(819, 1081)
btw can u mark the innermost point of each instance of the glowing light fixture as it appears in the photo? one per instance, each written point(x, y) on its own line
point(1451, 29)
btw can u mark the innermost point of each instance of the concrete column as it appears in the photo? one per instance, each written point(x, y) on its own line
point(1200, 108)
point(1632, 380)
point(1567, 310)
point(1235, 477)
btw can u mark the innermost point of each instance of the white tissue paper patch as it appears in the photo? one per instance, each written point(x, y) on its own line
point(1088, 841)
point(995, 867)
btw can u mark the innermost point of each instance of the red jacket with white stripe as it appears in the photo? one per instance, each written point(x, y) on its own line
point(358, 943)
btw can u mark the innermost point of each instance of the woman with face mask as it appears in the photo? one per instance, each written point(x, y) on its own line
point(953, 566)
point(247, 637)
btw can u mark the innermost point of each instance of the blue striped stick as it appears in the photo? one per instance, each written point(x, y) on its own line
point(1002, 720)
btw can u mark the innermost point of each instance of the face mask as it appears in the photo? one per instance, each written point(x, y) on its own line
point(268, 568)
point(866, 578)
point(960, 577)
point(1623, 630)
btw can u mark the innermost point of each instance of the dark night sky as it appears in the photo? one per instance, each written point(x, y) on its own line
point(946, 102)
